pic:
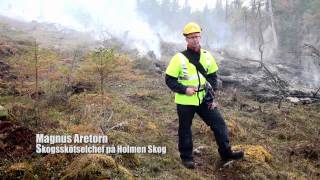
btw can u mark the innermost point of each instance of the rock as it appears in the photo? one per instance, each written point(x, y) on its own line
point(301, 100)
point(199, 150)
point(293, 99)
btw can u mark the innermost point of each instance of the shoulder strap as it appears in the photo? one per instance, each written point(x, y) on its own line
point(199, 68)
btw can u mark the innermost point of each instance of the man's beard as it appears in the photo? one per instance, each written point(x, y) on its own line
point(195, 47)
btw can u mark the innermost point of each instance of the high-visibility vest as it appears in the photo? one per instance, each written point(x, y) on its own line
point(180, 67)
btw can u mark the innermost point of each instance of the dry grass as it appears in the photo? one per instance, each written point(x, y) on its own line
point(138, 109)
point(95, 166)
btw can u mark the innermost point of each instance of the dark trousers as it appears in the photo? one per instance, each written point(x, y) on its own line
point(212, 118)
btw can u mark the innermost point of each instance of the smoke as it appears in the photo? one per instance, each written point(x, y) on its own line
point(311, 70)
point(144, 29)
point(105, 19)
point(119, 18)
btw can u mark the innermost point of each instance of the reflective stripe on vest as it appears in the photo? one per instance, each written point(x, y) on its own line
point(190, 77)
point(183, 60)
point(184, 67)
point(208, 62)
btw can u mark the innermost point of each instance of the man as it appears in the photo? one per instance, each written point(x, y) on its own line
point(186, 75)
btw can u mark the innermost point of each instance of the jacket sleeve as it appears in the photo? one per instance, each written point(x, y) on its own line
point(174, 85)
point(213, 80)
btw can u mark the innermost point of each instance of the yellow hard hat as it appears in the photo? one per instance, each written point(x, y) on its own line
point(191, 27)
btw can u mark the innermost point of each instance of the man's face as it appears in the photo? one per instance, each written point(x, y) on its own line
point(193, 40)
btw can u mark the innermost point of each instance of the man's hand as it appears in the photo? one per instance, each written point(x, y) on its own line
point(190, 91)
point(212, 105)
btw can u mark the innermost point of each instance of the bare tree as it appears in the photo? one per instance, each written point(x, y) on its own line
point(274, 32)
point(260, 33)
point(315, 94)
point(77, 53)
point(36, 68)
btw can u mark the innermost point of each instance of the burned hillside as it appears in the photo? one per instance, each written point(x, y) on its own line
point(110, 81)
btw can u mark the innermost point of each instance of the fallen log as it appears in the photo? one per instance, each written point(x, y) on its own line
point(280, 84)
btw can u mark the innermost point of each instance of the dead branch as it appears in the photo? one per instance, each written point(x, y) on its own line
point(101, 126)
point(314, 51)
point(315, 94)
point(261, 39)
point(281, 84)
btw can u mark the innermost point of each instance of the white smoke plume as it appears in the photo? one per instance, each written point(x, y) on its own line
point(119, 18)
